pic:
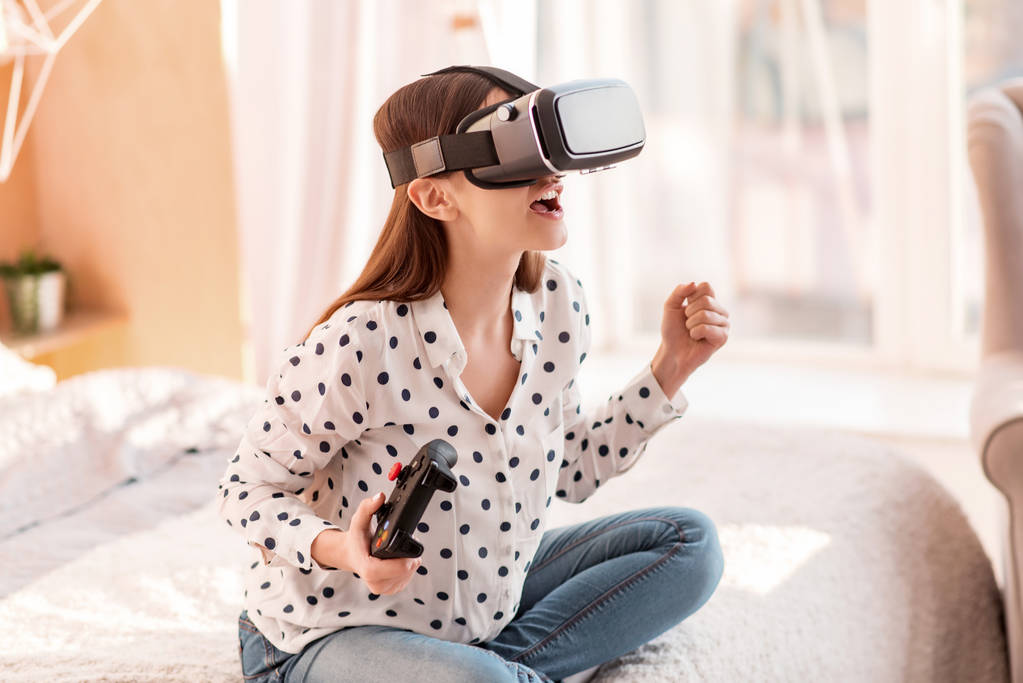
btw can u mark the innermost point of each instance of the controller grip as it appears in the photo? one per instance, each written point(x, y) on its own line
point(439, 479)
point(403, 545)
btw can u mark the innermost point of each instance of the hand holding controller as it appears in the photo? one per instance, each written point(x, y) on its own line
point(415, 483)
point(384, 577)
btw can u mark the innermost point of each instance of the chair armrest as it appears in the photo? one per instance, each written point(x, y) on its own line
point(995, 150)
point(996, 403)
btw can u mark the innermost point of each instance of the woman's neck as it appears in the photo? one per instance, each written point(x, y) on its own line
point(477, 291)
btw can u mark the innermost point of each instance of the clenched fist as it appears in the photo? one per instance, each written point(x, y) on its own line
point(694, 326)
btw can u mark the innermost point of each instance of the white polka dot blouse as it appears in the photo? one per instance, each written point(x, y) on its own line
point(368, 388)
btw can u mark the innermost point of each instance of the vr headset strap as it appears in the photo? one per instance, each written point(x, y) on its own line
point(441, 153)
point(458, 151)
point(506, 79)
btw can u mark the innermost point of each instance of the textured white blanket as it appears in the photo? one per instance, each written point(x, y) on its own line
point(843, 562)
point(60, 449)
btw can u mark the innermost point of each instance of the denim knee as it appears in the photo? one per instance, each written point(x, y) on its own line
point(412, 656)
point(703, 548)
point(485, 666)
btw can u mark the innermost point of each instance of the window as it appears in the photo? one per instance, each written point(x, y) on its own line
point(806, 158)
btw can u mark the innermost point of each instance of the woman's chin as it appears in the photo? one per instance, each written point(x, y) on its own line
point(545, 233)
point(555, 237)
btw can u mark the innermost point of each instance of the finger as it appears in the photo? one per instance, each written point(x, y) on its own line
point(406, 572)
point(712, 333)
point(388, 585)
point(705, 288)
point(400, 583)
point(396, 583)
point(367, 506)
point(380, 588)
point(717, 336)
point(715, 305)
point(698, 303)
point(366, 511)
point(388, 568)
point(384, 581)
point(678, 295)
point(705, 317)
point(394, 568)
point(705, 302)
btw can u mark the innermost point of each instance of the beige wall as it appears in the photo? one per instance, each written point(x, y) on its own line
point(131, 186)
point(19, 224)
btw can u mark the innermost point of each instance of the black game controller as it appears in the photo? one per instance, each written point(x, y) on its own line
point(397, 518)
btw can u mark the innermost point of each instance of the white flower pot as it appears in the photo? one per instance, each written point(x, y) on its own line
point(51, 299)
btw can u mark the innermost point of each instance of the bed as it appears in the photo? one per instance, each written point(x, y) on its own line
point(843, 560)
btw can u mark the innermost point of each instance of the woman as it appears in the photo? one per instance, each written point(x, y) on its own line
point(459, 328)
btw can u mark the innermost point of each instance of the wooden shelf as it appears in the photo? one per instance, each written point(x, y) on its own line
point(77, 326)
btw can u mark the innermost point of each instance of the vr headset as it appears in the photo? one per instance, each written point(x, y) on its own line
point(582, 125)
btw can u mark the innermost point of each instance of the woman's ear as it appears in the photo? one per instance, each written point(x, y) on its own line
point(433, 197)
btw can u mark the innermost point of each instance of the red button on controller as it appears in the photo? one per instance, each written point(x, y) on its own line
point(395, 470)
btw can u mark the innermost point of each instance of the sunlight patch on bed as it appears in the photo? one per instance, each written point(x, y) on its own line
point(759, 558)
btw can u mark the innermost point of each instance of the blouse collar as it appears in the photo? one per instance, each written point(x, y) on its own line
point(441, 338)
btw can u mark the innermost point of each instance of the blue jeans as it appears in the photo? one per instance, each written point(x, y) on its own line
point(595, 591)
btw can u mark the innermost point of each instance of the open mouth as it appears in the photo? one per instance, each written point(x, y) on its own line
point(551, 206)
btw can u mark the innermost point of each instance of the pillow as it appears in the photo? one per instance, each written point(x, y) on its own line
point(20, 375)
point(62, 448)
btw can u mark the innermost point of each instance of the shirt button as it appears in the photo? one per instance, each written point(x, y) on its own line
point(667, 408)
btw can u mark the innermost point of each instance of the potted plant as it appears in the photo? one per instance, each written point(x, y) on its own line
point(35, 289)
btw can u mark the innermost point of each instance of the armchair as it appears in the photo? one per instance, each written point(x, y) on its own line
point(995, 148)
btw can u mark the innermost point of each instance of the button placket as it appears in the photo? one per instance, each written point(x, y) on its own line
point(508, 510)
point(502, 448)
point(498, 445)
point(508, 537)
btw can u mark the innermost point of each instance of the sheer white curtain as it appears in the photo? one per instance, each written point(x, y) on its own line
point(311, 187)
point(639, 229)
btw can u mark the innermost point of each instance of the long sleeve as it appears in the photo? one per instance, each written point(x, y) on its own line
point(315, 404)
point(609, 439)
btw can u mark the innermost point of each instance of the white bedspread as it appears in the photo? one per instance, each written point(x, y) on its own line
point(62, 448)
point(843, 561)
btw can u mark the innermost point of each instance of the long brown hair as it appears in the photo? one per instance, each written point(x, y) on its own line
point(410, 257)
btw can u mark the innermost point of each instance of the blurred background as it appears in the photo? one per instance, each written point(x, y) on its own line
point(206, 175)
